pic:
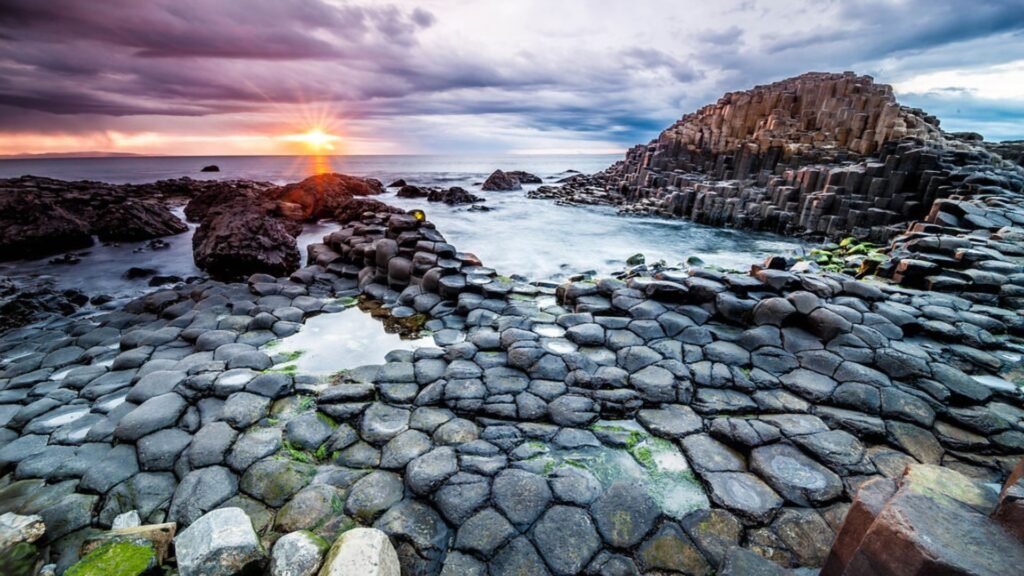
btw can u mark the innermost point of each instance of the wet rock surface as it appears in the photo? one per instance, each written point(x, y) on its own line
point(40, 216)
point(664, 419)
point(544, 432)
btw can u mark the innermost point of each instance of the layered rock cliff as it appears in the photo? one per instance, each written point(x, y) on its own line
point(826, 155)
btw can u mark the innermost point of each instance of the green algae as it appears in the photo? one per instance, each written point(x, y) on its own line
point(115, 559)
point(654, 463)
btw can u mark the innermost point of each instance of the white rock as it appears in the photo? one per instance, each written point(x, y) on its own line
point(222, 542)
point(15, 529)
point(126, 520)
point(297, 554)
point(362, 551)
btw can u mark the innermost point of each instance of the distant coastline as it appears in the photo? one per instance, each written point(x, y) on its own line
point(48, 155)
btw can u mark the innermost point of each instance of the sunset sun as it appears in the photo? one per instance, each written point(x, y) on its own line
point(315, 139)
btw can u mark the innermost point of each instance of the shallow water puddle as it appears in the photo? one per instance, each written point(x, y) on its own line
point(648, 461)
point(343, 340)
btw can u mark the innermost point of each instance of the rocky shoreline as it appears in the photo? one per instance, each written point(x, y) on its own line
point(659, 420)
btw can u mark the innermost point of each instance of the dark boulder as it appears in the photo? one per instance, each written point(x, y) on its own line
point(500, 181)
point(211, 168)
point(321, 195)
point(453, 196)
point(221, 193)
point(524, 177)
point(354, 208)
point(237, 241)
point(31, 226)
point(397, 183)
point(26, 300)
point(409, 191)
point(135, 220)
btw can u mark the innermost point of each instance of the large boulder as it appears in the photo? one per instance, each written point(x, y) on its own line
point(40, 216)
point(500, 181)
point(134, 220)
point(238, 241)
point(220, 543)
point(321, 195)
point(217, 194)
point(524, 177)
point(363, 551)
point(31, 226)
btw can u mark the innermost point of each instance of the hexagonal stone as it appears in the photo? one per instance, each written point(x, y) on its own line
point(297, 554)
point(521, 496)
point(316, 507)
point(714, 531)
point(566, 538)
point(671, 549)
point(458, 564)
point(709, 455)
point(210, 444)
point(838, 449)
point(273, 481)
point(154, 414)
point(118, 465)
point(809, 384)
point(243, 409)
point(655, 384)
point(200, 491)
point(743, 494)
point(575, 485)
point(374, 493)
point(624, 514)
point(308, 431)
point(518, 557)
point(160, 450)
point(671, 421)
point(917, 441)
point(381, 423)
point(419, 534)
point(573, 410)
point(427, 472)
point(253, 445)
point(484, 532)
point(403, 448)
point(461, 496)
point(795, 476)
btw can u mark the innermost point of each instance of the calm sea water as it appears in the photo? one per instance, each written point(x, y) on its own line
point(534, 238)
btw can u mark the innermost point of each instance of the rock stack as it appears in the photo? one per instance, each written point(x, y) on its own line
point(825, 155)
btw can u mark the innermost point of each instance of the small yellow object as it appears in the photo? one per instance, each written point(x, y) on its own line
point(419, 215)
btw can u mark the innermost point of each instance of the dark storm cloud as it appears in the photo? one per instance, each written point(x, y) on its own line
point(72, 65)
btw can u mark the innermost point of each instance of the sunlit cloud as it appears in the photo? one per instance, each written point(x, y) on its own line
point(434, 76)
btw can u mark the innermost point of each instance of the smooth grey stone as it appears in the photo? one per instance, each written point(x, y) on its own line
point(159, 450)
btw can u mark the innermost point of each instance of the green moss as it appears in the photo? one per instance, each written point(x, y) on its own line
point(287, 369)
point(293, 355)
point(644, 456)
point(327, 419)
point(347, 302)
point(549, 467)
point(305, 404)
point(19, 560)
point(297, 454)
point(115, 559)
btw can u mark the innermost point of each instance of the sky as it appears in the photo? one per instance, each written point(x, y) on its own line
point(220, 77)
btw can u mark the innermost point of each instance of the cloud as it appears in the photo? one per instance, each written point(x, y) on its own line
point(393, 71)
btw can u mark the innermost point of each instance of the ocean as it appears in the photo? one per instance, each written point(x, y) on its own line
point(537, 239)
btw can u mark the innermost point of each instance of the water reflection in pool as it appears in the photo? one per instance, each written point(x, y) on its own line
point(338, 341)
